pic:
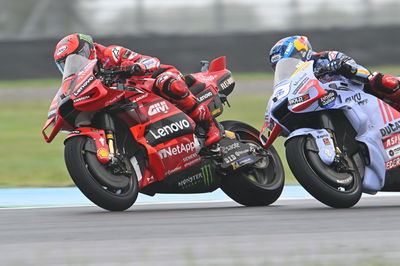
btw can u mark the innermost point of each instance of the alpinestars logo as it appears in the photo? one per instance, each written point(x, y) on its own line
point(158, 108)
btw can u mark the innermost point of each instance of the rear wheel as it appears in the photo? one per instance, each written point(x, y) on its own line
point(106, 186)
point(261, 184)
point(336, 185)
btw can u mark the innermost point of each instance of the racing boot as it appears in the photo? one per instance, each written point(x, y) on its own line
point(385, 87)
point(202, 116)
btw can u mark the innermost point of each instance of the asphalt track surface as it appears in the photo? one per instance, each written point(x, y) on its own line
point(289, 232)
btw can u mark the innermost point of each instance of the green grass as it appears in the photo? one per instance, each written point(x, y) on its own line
point(28, 161)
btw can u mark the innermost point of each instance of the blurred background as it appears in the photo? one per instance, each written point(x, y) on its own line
point(178, 32)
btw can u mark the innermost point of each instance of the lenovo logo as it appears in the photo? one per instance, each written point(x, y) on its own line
point(169, 129)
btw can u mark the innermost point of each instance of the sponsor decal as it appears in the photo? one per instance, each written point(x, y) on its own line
point(158, 108)
point(190, 181)
point(84, 86)
point(275, 58)
point(113, 100)
point(204, 96)
point(391, 141)
point(390, 128)
point(169, 172)
point(281, 92)
point(178, 149)
point(332, 55)
point(190, 163)
point(301, 84)
point(226, 149)
point(326, 141)
point(299, 99)
point(168, 128)
point(103, 153)
point(392, 163)
point(141, 97)
point(206, 171)
point(289, 49)
point(230, 158)
point(129, 54)
point(190, 157)
point(241, 162)
point(82, 98)
point(355, 98)
point(327, 99)
point(226, 83)
point(61, 50)
point(115, 53)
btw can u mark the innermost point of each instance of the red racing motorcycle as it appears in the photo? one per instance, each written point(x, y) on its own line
point(123, 139)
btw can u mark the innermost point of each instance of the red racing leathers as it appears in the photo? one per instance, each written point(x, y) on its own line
point(170, 84)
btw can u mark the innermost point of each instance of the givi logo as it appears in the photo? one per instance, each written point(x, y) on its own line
point(158, 108)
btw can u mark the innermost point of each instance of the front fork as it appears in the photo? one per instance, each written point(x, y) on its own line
point(109, 129)
point(327, 123)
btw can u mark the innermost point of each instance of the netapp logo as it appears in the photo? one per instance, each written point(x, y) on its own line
point(205, 96)
point(158, 108)
point(84, 85)
point(168, 128)
point(177, 149)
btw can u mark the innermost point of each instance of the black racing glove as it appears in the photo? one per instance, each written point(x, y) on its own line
point(134, 70)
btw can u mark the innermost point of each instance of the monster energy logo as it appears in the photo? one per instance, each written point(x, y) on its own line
point(207, 174)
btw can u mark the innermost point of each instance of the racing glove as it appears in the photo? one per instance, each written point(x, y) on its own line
point(134, 70)
point(335, 66)
point(384, 83)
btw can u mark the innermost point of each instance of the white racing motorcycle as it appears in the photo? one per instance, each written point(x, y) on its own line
point(340, 141)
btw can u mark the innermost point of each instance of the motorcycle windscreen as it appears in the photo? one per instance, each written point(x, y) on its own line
point(285, 68)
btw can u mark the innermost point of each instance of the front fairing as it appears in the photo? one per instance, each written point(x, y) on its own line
point(77, 68)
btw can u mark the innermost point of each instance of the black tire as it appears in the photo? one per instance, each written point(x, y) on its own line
point(318, 178)
point(81, 164)
point(254, 186)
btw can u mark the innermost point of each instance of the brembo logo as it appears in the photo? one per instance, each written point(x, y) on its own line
point(84, 85)
point(158, 108)
point(177, 149)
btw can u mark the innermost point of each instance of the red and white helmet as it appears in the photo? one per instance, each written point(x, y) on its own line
point(76, 43)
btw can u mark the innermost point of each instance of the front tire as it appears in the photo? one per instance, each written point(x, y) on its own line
point(253, 186)
point(318, 178)
point(117, 195)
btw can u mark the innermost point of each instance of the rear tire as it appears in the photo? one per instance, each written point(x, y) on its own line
point(254, 186)
point(110, 198)
point(316, 177)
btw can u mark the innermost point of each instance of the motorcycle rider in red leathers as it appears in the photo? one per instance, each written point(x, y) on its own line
point(170, 83)
point(333, 65)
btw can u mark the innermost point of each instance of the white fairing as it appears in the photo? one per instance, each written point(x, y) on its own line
point(376, 123)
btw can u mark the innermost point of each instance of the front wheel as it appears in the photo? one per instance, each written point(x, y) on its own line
point(261, 184)
point(333, 185)
point(101, 184)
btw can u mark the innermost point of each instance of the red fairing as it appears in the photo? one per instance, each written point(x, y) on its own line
point(320, 93)
point(164, 131)
point(99, 137)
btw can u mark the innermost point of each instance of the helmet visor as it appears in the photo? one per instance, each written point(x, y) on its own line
point(61, 65)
